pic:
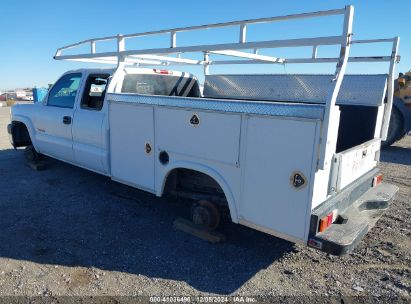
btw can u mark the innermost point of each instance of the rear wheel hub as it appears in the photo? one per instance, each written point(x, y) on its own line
point(206, 214)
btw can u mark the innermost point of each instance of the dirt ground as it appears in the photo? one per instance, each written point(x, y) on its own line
point(66, 231)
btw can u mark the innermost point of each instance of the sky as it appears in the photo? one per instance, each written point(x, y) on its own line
point(31, 31)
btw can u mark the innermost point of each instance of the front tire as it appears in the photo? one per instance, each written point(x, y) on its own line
point(31, 154)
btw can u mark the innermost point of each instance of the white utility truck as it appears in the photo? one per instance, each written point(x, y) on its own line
point(294, 156)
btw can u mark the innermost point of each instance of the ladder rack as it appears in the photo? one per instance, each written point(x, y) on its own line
point(247, 52)
point(161, 56)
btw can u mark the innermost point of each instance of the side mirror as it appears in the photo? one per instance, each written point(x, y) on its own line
point(45, 99)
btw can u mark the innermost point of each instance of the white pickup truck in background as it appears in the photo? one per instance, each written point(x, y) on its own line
point(294, 156)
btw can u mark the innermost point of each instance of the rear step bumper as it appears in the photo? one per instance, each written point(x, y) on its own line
point(359, 218)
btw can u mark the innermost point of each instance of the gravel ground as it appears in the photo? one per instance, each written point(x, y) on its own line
point(66, 231)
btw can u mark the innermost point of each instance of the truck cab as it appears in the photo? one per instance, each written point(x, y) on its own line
point(71, 123)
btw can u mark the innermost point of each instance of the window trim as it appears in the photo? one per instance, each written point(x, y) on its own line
point(87, 87)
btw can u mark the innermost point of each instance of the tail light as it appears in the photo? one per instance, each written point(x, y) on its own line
point(158, 71)
point(327, 220)
point(377, 180)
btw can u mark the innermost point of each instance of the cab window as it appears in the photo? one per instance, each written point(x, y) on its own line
point(158, 84)
point(63, 93)
point(94, 92)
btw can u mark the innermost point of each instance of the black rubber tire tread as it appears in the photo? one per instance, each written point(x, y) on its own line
point(31, 154)
point(396, 128)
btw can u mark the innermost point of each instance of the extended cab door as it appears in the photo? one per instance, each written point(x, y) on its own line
point(90, 127)
point(53, 123)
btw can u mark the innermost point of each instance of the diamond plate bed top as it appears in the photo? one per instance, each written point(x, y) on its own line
point(366, 90)
point(309, 111)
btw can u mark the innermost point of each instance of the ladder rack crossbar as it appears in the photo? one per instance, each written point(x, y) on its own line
point(249, 58)
point(330, 40)
point(241, 23)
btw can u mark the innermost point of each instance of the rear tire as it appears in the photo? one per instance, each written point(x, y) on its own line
point(31, 154)
point(395, 129)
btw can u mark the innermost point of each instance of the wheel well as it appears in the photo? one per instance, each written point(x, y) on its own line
point(195, 185)
point(21, 135)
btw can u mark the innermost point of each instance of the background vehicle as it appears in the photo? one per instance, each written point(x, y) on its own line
point(294, 156)
point(8, 96)
point(400, 123)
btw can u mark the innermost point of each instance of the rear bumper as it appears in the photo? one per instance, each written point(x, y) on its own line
point(356, 220)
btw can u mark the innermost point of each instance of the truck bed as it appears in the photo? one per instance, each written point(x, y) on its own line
point(252, 149)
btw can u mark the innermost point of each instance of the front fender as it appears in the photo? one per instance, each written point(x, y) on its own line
point(29, 125)
point(208, 171)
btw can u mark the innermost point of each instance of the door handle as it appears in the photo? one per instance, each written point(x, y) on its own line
point(67, 120)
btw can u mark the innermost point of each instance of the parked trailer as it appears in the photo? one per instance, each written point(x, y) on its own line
point(294, 156)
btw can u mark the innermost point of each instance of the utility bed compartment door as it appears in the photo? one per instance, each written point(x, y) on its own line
point(131, 129)
point(351, 164)
point(212, 136)
point(276, 150)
